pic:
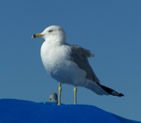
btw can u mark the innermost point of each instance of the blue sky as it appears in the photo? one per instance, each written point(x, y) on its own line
point(110, 29)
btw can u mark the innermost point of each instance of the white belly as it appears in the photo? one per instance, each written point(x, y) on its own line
point(69, 73)
point(57, 62)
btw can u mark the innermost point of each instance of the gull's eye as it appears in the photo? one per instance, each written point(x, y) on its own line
point(50, 31)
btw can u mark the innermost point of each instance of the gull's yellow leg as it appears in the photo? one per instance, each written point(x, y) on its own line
point(75, 94)
point(59, 96)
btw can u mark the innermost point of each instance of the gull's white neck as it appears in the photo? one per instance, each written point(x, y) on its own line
point(54, 41)
point(51, 44)
point(53, 52)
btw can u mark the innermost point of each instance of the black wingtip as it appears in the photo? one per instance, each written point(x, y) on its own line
point(120, 95)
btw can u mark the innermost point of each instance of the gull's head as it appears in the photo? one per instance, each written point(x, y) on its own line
point(54, 33)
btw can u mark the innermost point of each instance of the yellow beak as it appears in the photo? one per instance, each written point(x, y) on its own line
point(37, 35)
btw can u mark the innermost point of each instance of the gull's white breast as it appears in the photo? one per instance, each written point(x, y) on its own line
point(56, 60)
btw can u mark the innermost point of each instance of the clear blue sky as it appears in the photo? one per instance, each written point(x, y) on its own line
point(111, 29)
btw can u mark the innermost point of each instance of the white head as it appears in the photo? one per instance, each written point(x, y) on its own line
point(52, 33)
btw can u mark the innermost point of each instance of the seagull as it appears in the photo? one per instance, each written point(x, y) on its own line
point(53, 97)
point(69, 63)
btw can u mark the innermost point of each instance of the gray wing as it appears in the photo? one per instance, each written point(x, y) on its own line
point(80, 56)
